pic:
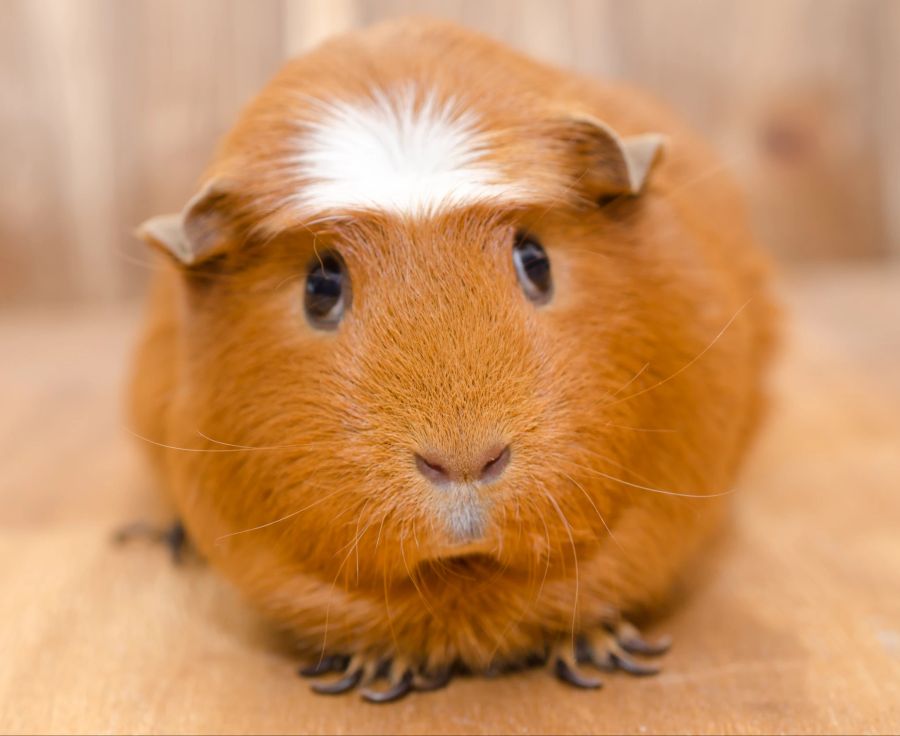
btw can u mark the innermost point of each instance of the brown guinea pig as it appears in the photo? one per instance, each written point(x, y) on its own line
point(453, 359)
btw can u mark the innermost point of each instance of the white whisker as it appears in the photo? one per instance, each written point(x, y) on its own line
point(650, 489)
point(248, 447)
point(278, 521)
point(227, 447)
point(591, 501)
point(568, 527)
point(688, 364)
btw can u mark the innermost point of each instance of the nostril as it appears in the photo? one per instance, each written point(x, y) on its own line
point(494, 467)
point(432, 469)
point(473, 467)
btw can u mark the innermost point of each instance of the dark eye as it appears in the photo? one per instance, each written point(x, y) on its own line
point(532, 268)
point(327, 291)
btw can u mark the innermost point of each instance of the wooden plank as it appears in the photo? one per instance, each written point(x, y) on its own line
point(886, 115)
point(111, 110)
point(184, 70)
point(308, 22)
point(56, 198)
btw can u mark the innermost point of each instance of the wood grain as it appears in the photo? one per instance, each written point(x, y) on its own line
point(794, 628)
point(111, 109)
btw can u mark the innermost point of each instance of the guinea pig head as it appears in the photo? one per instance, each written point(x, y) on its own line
point(402, 380)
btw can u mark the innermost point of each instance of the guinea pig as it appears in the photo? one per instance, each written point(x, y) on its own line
point(452, 361)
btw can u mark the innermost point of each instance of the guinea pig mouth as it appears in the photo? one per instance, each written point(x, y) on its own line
point(462, 512)
point(461, 554)
point(463, 562)
point(475, 563)
point(465, 522)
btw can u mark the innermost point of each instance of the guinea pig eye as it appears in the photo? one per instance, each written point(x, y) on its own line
point(532, 268)
point(327, 287)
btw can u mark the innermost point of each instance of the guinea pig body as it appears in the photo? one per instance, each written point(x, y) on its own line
point(541, 368)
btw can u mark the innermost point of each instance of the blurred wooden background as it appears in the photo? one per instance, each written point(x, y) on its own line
point(109, 110)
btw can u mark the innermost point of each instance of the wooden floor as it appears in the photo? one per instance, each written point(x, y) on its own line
point(797, 629)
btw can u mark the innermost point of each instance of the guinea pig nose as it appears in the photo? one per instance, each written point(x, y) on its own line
point(432, 469)
point(495, 464)
point(483, 466)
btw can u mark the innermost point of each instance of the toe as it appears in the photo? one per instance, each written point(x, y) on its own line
point(569, 673)
point(424, 682)
point(347, 682)
point(631, 640)
point(633, 667)
point(395, 691)
point(324, 666)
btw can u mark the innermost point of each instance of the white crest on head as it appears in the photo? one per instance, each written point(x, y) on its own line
point(404, 153)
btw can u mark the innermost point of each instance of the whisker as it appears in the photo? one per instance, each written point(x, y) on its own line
point(606, 458)
point(353, 544)
point(380, 529)
point(180, 449)
point(723, 165)
point(638, 429)
point(292, 277)
point(359, 535)
point(591, 501)
point(537, 595)
point(650, 489)
point(389, 612)
point(568, 527)
point(227, 446)
point(686, 365)
point(412, 577)
point(632, 380)
point(687, 184)
point(140, 262)
point(330, 597)
point(248, 447)
point(562, 196)
point(547, 556)
point(278, 521)
point(328, 608)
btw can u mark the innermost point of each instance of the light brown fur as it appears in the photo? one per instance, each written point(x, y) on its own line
point(644, 370)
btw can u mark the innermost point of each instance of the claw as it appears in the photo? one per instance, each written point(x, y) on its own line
point(608, 647)
point(347, 682)
point(631, 641)
point(174, 537)
point(567, 673)
point(423, 683)
point(396, 691)
point(627, 664)
point(324, 666)
point(361, 671)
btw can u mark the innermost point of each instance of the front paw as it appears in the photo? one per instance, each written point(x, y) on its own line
point(608, 648)
point(363, 670)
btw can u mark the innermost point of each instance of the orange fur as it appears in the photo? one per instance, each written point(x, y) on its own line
point(642, 373)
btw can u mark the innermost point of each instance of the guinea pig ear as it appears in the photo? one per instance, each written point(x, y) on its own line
point(197, 233)
point(608, 163)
